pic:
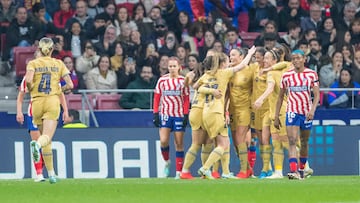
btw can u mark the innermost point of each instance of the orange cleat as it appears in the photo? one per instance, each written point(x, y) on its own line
point(243, 175)
point(186, 175)
point(215, 174)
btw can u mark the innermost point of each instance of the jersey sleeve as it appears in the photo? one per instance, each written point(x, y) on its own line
point(283, 82)
point(30, 66)
point(158, 87)
point(315, 82)
point(269, 77)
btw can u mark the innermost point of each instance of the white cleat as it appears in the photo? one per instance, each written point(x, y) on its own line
point(39, 178)
point(177, 175)
point(275, 176)
point(167, 169)
point(294, 176)
point(308, 172)
point(205, 173)
point(228, 176)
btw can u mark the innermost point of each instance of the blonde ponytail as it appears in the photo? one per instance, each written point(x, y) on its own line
point(46, 46)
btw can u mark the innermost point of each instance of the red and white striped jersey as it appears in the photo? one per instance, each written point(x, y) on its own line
point(172, 91)
point(298, 86)
point(23, 88)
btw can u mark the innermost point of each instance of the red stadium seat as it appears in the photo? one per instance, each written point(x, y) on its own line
point(108, 101)
point(249, 37)
point(22, 55)
point(74, 101)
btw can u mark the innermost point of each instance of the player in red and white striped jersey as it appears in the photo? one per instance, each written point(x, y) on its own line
point(173, 97)
point(298, 84)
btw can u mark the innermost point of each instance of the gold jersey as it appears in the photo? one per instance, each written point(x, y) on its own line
point(47, 74)
point(274, 76)
point(218, 81)
point(259, 87)
point(240, 88)
point(198, 100)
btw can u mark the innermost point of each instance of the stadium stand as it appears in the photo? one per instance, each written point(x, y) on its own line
point(22, 55)
point(107, 102)
point(74, 101)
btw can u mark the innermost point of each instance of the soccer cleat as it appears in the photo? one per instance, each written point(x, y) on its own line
point(242, 175)
point(215, 174)
point(275, 176)
point(205, 173)
point(263, 174)
point(269, 173)
point(294, 176)
point(167, 169)
point(52, 179)
point(229, 176)
point(35, 151)
point(177, 175)
point(308, 172)
point(186, 175)
point(39, 178)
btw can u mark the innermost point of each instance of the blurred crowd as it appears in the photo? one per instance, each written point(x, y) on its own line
point(122, 44)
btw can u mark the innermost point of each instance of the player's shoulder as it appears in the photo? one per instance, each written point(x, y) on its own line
point(309, 71)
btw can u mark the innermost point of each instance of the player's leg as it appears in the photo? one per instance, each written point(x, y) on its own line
point(252, 149)
point(278, 155)
point(35, 134)
point(292, 132)
point(215, 168)
point(265, 151)
point(179, 131)
point(240, 144)
point(206, 148)
point(164, 133)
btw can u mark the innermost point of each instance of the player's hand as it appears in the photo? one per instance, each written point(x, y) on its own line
point(227, 120)
point(20, 118)
point(310, 116)
point(66, 118)
point(258, 103)
point(217, 94)
point(277, 123)
point(185, 120)
point(156, 120)
point(252, 50)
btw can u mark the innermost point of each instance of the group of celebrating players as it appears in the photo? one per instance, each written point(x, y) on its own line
point(268, 91)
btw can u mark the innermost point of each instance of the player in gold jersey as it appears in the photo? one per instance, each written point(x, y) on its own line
point(213, 113)
point(42, 80)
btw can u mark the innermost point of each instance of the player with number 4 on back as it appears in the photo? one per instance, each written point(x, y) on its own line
point(173, 97)
point(42, 80)
point(298, 84)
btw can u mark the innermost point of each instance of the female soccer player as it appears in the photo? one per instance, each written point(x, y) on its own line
point(174, 96)
point(42, 80)
point(213, 113)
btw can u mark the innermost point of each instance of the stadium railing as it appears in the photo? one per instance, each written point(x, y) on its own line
point(86, 104)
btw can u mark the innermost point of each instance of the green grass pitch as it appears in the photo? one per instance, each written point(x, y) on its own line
point(132, 190)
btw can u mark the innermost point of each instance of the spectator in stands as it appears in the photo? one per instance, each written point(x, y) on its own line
point(261, 14)
point(69, 63)
point(290, 13)
point(144, 24)
point(327, 34)
point(123, 16)
point(149, 56)
point(313, 60)
point(43, 19)
point(129, 5)
point(158, 35)
point(303, 45)
point(218, 46)
point(196, 33)
point(170, 45)
point(109, 10)
point(293, 36)
point(59, 51)
point(270, 27)
point(209, 40)
point(355, 33)
point(182, 55)
point(356, 67)
point(270, 40)
point(330, 73)
point(7, 14)
point(137, 48)
point(139, 100)
point(74, 39)
point(310, 34)
point(21, 32)
point(94, 8)
point(124, 36)
point(169, 12)
point(98, 30)
point(348, 53)
point(342, 37)
point(102, 77)
point(312, 22)
point(162, 69)
point(192, 63)
point(126, 73)
point(117, 58)
point(88, 60)
point(183, 25)
point(232, 40)
point(344, 99)
point(107, 42)
point(155, 13)
point(349, 15)
point(82, 17)
point(74, 120)
point(64, 14)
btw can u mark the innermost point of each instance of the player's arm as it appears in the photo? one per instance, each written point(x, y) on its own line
point(279, 102)
point(29, 76)
point(68, 85)
point(316, 92)
point(245, 61)
point(269, 89)
point(19, 101)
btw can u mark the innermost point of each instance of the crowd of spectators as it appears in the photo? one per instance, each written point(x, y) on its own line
point(113, 44)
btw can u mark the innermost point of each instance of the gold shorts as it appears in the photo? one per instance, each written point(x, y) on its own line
point(214, 125)
point(257, 119)
point(45, 108)
point(195, 118)
point(240, 117)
